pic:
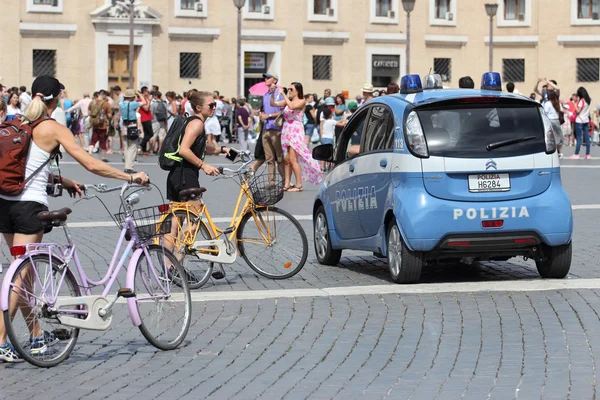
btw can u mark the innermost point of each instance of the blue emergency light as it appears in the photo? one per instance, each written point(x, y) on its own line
point(410, 84)
point(491, 81)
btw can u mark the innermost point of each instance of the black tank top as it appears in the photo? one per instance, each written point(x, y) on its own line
point(198, 147)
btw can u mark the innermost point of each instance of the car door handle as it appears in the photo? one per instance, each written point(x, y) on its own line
point(383, 163)
point(351, 168)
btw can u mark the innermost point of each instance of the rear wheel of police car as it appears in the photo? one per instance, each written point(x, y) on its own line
point(326, 255)
point(405, 266)
point(557, 263)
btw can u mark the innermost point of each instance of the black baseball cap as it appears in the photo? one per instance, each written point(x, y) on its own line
point(47, 86)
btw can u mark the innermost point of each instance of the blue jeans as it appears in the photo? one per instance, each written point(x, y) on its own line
point(581, 132)
point(308, 129)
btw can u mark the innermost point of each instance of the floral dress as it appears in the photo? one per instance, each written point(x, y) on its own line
point(292, 135)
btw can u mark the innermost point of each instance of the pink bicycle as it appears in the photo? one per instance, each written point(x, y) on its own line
point(54, 305)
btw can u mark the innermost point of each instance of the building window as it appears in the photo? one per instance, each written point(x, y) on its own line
point(588, 69)
point(588, 9)
point(191, 8)
point(384, 11)
point(383, 7)
point(259, 9)
point(44, 62)
point(189, 65)
point(514, 10)
point(442, 8)
point(322, 7)
point(45, 6)
point(255, 6)
point(442, 66)
point(323, 11)
point(513, 70)
point(385, 69)
point(322, 68)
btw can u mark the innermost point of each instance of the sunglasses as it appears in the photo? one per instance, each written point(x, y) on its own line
point(212, 105)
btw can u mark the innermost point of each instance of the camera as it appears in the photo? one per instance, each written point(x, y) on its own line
point(54, 187)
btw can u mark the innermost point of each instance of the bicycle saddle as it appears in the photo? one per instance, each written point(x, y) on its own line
point(56, 215)
point(191, 194)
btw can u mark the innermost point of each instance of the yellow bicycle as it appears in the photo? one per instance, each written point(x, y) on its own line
point(269, 239)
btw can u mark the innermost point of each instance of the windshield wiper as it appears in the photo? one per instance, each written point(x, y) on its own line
point(496, 145)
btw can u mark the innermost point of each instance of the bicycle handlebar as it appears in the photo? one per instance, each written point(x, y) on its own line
point(246, 158)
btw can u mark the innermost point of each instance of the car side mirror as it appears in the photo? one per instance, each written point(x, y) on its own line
point(323, 152)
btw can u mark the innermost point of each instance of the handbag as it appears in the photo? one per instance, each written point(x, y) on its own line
point(133, 133)
point(279, 121)
point(315, 136)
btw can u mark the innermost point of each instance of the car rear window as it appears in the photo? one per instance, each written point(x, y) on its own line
point(465, 131)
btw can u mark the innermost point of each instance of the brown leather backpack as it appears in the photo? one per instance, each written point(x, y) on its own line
point(15, 139)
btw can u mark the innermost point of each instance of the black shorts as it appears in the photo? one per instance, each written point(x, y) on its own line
point(21, 217)
point(259, 150)
point(181, 178)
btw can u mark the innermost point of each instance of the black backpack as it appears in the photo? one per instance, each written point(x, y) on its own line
point(161, 111)
point(168, 156)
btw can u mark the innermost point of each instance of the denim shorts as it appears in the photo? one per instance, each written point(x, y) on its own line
point(326, 141)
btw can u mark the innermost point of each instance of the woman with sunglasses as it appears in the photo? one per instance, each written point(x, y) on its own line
point(194, 147)
point(297, 155)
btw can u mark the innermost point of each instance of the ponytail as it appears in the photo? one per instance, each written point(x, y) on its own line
point(35, 110)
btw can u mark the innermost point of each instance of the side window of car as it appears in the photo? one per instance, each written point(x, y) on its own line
point(350, 138)
point(378, 133)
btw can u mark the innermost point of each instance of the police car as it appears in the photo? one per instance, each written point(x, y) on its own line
point(433, 176)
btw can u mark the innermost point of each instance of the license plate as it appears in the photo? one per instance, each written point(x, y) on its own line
point(489, 183)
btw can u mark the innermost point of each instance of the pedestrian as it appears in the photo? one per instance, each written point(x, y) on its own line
point(393, 88)
point(226, 119)
point(132, 126)
point(340, 107)
point(172, 108)
point(100, 113)
point(242, 125)
point(212, 128)
point(18, 222)
point(77, 125)
point(83, 107)
point(367, 92)
point(297, 155)
point(146, 114)
point(328, 124)
point(326, 94)
point(271, 135)
point(466, 82)
point(65, 103)
point(12, 108)
point(569, 125)
point(582, 108)
point(309, 120)
point(552, 109)
point(160, 114)
point(24, 98)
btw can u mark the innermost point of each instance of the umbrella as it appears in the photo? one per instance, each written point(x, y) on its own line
point(259, 89)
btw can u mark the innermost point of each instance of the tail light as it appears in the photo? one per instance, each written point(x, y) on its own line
point(163, 208)
point(548, 133)
point(18, 251)
point(494, 223)
point(415, 137)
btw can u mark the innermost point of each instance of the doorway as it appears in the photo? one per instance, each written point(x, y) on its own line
point(118, 66)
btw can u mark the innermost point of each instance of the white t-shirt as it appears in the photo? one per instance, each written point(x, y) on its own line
point(188, 108)
point(24, 100)
point(59, 115)
point(10, 110)
point(550, 111)
point(212, 126)
point(328, 129)
point(219, 108)
point(584, 115)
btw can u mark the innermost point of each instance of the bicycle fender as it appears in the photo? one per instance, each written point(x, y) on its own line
point(130, 283)
point(11, 271)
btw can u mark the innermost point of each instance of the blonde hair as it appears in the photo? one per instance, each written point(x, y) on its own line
point(197, 99)
point(35, 110)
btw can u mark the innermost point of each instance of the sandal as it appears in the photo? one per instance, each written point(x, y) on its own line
point(295, 189)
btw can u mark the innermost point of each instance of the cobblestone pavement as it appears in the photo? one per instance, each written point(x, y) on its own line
point(513, 343)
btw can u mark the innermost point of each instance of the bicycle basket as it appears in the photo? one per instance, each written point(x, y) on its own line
point(146, 220)
point(264, 191)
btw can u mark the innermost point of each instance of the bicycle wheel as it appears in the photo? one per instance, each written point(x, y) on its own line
point(164, 307)
point(272, 242)
point(36, 332)
point(196, 270)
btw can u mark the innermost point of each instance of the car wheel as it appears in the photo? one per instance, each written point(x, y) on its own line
point(557, 263)
point(405, 266)
point(326, 255)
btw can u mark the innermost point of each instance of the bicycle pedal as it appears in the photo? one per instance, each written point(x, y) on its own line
point(125, 293)
point(227, 231)
point(62, 334)
point(218, 275)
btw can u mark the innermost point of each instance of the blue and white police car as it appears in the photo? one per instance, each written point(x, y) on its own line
point(436, 175)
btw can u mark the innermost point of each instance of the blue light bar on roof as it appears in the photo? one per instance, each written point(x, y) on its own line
point(491, 81)
point(410, 84)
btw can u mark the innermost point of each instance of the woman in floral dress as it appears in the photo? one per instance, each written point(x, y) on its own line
point(297, 155)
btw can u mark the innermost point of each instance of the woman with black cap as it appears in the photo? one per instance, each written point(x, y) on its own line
point(18, 222)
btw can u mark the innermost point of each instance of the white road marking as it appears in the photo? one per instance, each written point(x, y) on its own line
point(154, 164)
point(222, 220)
point(527, 285)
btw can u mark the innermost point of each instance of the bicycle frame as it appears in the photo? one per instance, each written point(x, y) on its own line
point(68, 253)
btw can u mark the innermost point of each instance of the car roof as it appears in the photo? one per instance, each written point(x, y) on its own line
point(436, 95)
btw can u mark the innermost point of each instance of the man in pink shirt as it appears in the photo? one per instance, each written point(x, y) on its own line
point(83, 106)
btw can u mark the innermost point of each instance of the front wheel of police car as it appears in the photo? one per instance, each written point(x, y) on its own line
point(405, 266)
point(326, 255)
point(557, 262)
